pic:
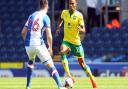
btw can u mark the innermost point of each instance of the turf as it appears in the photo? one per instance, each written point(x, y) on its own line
point(48, 83)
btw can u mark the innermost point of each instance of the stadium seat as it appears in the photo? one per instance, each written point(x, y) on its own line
point(99, 42)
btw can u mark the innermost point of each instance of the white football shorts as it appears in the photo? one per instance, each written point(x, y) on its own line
point(40, 51)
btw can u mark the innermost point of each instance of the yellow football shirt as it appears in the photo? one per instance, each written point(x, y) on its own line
point(71, 22)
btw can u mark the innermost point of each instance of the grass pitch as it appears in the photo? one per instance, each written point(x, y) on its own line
point(48, 83)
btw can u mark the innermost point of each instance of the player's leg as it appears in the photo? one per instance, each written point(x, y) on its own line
point(46, 59)
point(79, 53)
point(30, 67)
point(64, 51)
point(54, 73)
point(87, 71)
point(31, 54)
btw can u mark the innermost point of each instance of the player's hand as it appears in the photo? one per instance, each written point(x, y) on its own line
point(80, 28)
point(57, 32)
point(50, 51)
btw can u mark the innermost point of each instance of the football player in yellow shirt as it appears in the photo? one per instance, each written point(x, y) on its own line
point(73, 26)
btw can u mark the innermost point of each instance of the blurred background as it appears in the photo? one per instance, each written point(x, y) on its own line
point(105, 42)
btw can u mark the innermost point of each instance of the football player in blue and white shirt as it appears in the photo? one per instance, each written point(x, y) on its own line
point(32, 34)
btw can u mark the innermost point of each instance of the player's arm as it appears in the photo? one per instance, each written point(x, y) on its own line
point(60, 21)
point(81, 26)
point(46, 22)
point(25, 28)
point(24, 31)
point(49, 39)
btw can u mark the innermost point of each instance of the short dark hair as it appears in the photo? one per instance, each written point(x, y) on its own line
point(43, 3)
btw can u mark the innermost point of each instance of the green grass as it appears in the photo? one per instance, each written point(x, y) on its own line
point(48, 83)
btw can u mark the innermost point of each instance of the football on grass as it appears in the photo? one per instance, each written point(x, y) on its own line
point(68, 83)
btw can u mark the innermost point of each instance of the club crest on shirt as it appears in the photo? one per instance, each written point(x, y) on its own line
point(74, 17)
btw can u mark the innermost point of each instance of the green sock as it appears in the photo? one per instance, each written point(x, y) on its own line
point(88, 71)
point(65, 64)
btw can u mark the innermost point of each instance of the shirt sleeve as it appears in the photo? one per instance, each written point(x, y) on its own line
point(46, 21)
point(62, 14)
point(81, 20)
point(29, 21)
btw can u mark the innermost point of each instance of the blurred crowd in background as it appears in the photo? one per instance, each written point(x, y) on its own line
point(106, 24)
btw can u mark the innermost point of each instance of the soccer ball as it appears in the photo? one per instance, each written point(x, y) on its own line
point(68, 83)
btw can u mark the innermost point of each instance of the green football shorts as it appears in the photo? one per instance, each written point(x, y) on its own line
point(76, 50)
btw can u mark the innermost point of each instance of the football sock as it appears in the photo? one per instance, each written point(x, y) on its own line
point(56, 76)
point(88, 71)
point(29, 73)
point(65, 64)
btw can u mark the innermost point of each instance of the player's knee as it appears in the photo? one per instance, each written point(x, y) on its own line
point(62, 51)
point(65, 50)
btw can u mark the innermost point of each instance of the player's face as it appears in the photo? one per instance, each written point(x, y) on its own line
point(47, 7)
point(72, 5)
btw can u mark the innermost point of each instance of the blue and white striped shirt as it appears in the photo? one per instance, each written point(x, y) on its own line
point(36, 24)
